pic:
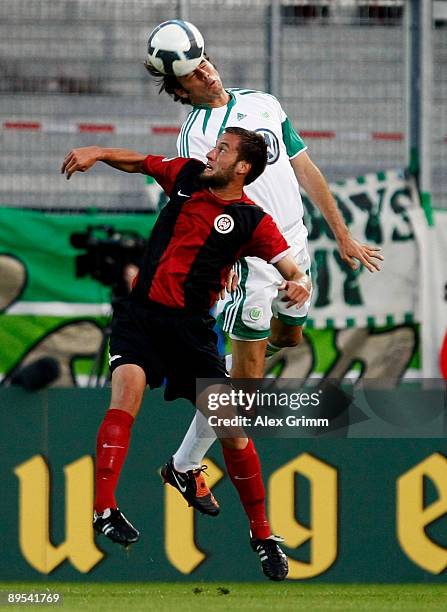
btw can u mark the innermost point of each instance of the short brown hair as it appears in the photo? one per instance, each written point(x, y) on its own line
point(252, 149)
point(169, 82)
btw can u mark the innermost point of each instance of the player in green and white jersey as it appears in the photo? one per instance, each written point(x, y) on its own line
point(254, 315)
point(248, 312)
point(276, 190)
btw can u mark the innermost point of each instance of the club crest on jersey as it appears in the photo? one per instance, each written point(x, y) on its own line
point(255, 313)
point(223, 224)
point(272, 142)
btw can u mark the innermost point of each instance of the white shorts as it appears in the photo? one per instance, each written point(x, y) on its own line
point(246, 313)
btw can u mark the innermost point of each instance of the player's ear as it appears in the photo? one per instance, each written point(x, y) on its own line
point(243, 167)
point(181, 93)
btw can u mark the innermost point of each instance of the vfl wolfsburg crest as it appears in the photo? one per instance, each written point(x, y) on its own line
point(255, 313)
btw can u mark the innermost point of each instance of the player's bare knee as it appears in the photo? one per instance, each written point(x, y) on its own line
point(128, 384)
point(248, 359)
point(253, 368)
point(286, 337)
point(126, 399)
point(290, 341)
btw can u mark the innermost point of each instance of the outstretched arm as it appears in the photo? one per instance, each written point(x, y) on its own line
point(313, 182)
point(297, 284)
point(80, 160)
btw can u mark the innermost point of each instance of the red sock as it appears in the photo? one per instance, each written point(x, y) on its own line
point(111, 450)
point(244, 469)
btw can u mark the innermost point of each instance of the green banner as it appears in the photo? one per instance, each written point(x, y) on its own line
point(349, 510)
point(40, 243)
point(46, 311)
point(376, 207)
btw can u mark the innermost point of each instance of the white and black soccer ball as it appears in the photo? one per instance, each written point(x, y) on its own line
point(175, 47)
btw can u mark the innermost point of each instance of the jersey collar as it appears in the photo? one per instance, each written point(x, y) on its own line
point(231, 102)
point(244, 199)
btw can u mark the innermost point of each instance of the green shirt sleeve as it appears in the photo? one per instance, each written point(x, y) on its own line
point(294, 143)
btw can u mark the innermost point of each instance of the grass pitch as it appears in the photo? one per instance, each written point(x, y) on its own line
point(192, 597)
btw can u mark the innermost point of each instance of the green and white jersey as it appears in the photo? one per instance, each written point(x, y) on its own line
point(276, 190)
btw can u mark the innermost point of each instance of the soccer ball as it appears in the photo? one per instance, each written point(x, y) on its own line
point(175, 47)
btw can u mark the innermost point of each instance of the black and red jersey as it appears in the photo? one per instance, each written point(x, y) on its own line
point(198, 237)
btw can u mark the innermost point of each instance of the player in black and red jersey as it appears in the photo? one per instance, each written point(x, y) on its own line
point(207, 225)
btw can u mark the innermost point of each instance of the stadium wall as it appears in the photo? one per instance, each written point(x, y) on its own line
point(351, 510)
point(340, 74)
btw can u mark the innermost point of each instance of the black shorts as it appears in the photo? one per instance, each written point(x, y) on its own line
point(167, 344)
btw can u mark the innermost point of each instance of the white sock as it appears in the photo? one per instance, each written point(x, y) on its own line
point(198, 439)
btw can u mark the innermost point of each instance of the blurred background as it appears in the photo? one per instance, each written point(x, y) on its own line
point(71, 72)
point(363, 81)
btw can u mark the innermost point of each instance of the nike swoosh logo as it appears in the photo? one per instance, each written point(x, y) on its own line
point(166, 159)
point(105, 445)
point(245, 477)
point(113, 358)
point(183, 195)
point(181, 487)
